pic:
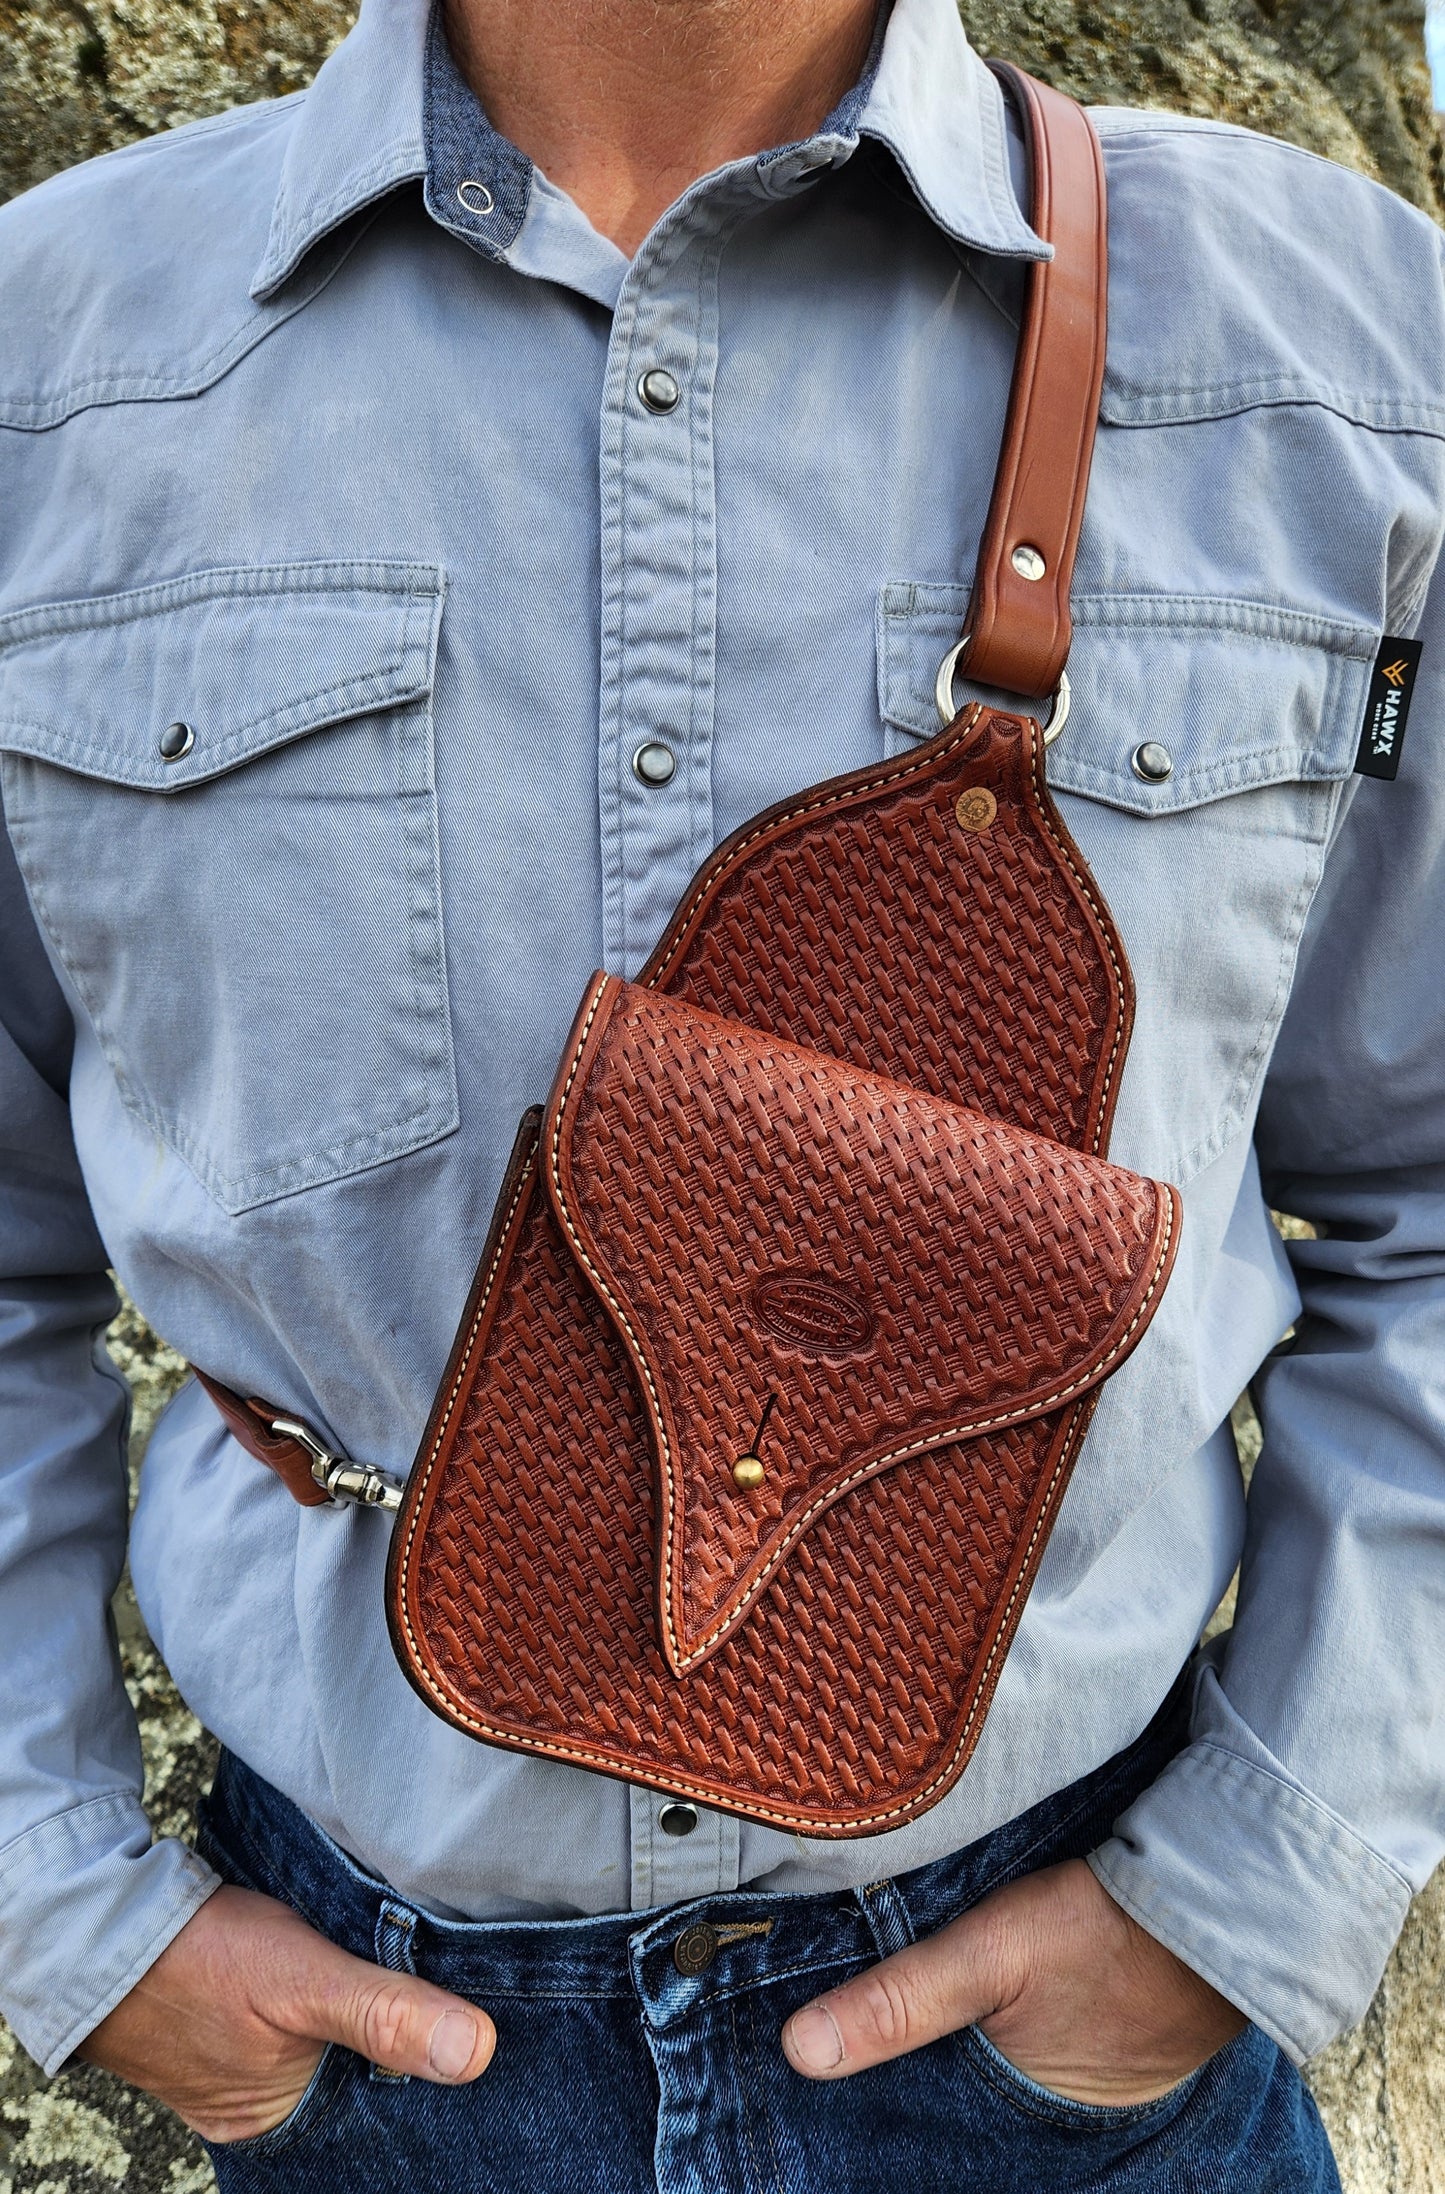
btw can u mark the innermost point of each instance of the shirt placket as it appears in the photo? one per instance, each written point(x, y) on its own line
point(659, 574)
point(658, 655)
point(679, 1850)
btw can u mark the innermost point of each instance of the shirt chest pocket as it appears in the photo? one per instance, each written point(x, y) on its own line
point(221, 793)
point(1209, 869)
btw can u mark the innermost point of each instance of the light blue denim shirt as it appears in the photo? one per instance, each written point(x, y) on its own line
point(320, 433)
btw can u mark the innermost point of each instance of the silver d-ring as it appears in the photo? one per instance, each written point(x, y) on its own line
point(947, 708)
point(1059, 711)
point(484, 202)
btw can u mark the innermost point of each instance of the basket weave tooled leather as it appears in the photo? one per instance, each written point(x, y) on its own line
point(801, 1288)
point(836, 1154)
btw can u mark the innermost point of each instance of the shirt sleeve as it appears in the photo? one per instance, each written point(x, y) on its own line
point(1278, 1853)
point(87, 1901)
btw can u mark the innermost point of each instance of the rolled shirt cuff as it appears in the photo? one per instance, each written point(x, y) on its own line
point(87, 1905)
point(1256, 1884)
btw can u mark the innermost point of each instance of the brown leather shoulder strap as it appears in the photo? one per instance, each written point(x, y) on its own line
point(1019, 624)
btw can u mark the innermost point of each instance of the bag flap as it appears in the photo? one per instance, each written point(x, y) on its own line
point(821, 1272)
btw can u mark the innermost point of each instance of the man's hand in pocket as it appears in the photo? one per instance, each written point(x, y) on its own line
point(229, 2024)
point(1071, 1990)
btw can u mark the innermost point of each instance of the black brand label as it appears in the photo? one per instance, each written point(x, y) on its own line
point(1391, 684)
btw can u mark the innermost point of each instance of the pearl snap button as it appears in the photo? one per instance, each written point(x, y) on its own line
point(658, 389)
point(654, 764)
point(1152, 762)
point(175, 742)
point(677, 1818)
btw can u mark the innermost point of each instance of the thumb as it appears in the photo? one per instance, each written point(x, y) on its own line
point(950, 1980)
point(395, 2020)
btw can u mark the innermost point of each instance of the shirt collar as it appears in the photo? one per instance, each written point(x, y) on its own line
point(362, 129)
point(357, 134)
point(942, 114)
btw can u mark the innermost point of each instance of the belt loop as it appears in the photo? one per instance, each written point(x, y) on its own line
point(882, 1906)
point(395, 1927)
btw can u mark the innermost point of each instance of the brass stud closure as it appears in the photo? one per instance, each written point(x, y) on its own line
point(748, 1473)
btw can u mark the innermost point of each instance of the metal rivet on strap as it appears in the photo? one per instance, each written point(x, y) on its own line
point(1028, 562)
point(654, 763)
point(695, 1949)
point(677, 1818)
point(1152, 762)
point(175, 742)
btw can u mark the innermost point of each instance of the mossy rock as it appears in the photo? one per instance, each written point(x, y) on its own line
point(1347, 79)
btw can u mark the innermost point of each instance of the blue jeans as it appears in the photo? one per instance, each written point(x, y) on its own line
point(617, 2072)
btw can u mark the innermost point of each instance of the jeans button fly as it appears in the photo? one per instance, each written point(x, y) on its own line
point(695, 1949)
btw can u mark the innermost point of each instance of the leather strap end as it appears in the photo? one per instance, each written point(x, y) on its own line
point(250, 1422)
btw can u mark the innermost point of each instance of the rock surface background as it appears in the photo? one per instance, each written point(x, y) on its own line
point(1348, 80)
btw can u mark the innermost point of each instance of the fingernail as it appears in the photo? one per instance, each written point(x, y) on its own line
point(814, 2039)
point(453, 2044)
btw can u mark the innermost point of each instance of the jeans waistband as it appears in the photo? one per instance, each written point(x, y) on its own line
point(257, 1836)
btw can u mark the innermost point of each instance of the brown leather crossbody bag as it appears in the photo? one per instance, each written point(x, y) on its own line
point(802, 1286)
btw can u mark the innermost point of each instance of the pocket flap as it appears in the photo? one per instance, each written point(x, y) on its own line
point(1242, 694)
point(246, 658)
point(821, 1272)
